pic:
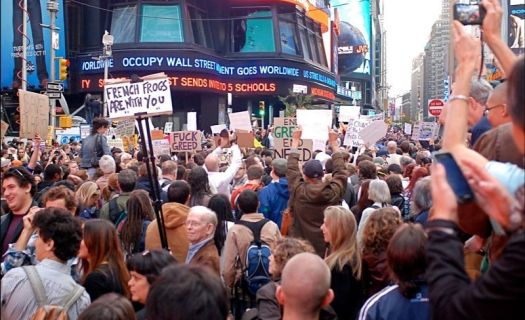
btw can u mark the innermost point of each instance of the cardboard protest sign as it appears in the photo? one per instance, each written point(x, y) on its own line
point(408, 128)
point(218, 128)
point(315, 123)
point(240, 120)
point(116, 143)
point(168, 127)
point(245, 139)
point(282, 140)
point(34, 114)
point(161, 147)
point(3, 128)
point(185, 141)
point(191, 122)
point(85, 130)
point(125, 127)
point(428, 130)
point(352, 138)
point(373, 132)
point(152, 96)
point(348, 112)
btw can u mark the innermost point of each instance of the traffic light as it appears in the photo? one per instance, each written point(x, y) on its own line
point(261, 108)
point(64, 69)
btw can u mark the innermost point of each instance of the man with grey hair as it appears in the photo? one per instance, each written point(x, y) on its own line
point(274, 197)
point(305, 287)
point(200, 227)
point(421, 200)
point(480, 91)
point(393, 157)
point(107, 166)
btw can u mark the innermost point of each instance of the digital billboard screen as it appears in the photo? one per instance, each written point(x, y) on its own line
point(516, 37)
point(355, 36)
point(38, 42)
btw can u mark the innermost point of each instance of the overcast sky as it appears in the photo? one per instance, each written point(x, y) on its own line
point(407, 24)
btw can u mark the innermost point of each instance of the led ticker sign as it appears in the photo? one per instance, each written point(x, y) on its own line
point(222, 68)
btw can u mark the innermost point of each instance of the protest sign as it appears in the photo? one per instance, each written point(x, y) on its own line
point(352, 138)
point(315, 123)
point(34, 114)
point(125, 127)
point(161, 147)
point(415, 131)
point(282, 140)
point(245, 139)
point(349, 112)
point(3, 128)
point(185, 141)
point(428, 130)
point(64, 135)
point(218, 128)
point(152, 96)
point(157, 134)
point(85, 130)
point(373, 132)
point(191, 122)
point(116, 143)
point(240, 120)
point(168, 127)
point(408, 128)
point(318, 145)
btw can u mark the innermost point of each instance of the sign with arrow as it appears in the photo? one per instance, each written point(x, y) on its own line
point(54, 95)
point(54, 87)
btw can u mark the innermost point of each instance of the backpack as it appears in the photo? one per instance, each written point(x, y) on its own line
point(257, 263)
point(46, 311)
point(115, 214)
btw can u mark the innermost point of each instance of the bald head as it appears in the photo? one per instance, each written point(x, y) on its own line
point(391, 147)
point(212, 163)
point(497, 106)
point(305, 285)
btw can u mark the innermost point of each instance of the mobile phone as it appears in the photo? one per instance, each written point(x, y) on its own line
point(469, 13)
point(455, 177)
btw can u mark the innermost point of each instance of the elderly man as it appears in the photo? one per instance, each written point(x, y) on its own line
point(305, 287)
point(200, 227)
point(393, 157)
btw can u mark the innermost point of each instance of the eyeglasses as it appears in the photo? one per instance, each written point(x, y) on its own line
point(487, 109)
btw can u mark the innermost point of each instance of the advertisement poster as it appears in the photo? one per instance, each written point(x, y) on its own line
point(516, 37)
point(354, 39)
point(38, 44)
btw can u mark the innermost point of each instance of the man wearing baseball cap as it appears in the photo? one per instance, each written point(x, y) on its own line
point(310, 195)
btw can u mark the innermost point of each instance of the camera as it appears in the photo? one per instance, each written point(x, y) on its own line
point(469, 14)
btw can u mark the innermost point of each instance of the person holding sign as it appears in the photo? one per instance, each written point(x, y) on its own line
point(310, 195)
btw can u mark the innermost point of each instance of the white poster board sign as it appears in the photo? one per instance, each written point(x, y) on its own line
point(85, 130)
point(218, 128)
point(349, 112)
point(373, 132)
point(152, 97)
point(34, 114)
point(428, 130)
point(352, 138)
point(168, 127)
point(415, 131)
point(161, 147)
point(240, 120)
point(191, 121)
point(116, 143)
point(408, 128)
point(315, 123)
point(125, 127)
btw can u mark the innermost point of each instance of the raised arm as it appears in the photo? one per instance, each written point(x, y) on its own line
point(36, 152)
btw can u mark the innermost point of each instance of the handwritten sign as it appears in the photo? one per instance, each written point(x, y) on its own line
point(408, 128)
point(349, 112)
point(161, 147)
point(373, 132)
point(34, 114)
point(282, 140)
point(315, 123)
point(352, 137)
point(415, 131)
point(240, 120)
point(152, 97)
point(428, 130)
point(125, 127)
point(157, 134)
point(116, 143)
point(185, 141)
point(168, 127)
point(191, 122)
point(85, 130)
point(218, 128)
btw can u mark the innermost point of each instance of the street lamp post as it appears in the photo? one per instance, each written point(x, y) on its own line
point(107, 41)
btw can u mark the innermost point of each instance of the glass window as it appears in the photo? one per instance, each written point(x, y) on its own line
point(161, 24)
point(288, 35)
point(200, 27)
point(123, 22)
point(253, 31)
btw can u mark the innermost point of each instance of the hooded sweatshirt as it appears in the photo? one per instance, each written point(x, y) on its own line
point(175, 215)
point(274, 200)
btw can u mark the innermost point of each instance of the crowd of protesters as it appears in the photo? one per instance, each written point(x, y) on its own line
point(366, 234)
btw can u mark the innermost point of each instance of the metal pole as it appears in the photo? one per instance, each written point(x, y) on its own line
point(52, 6)
point(24, 47)
point(105, 111)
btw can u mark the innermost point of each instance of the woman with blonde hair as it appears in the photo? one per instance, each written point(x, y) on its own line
point(379, 228)
point(88, 196)
point(344, 260)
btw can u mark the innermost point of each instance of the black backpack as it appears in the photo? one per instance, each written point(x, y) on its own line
point(257, 263)
point(115, 214)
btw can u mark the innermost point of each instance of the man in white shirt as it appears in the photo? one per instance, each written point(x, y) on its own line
point(393, 157)
point(220, 181)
